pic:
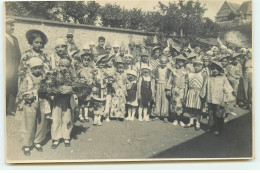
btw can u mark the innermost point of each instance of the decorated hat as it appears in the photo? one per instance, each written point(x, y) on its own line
point(156, 47)
point(235, 55)
point(92, 43)
point(132, 72)
point(101, 57)
point(180, 57)
point(70, 34)
point(86, 54)
point(116, 44)
point(166, 49)
point(214, 49)
point(129, 55)
point(218, 64)
point(206, 58)
point(60, 41)
point(35, 61)
point(64, 61)
point(145, 66)
point(224, 56)
point(192, 55)
point(30, 33)
point(144, 54)
point(210, 53)
point(86, 46)
point(119, 60)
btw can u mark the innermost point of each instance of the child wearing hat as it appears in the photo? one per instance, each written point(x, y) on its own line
point(118, 100)
point(129, 62)
point(37, 39)
point(60, 52)
point(34, 124)
point(63, 105)
point(131, 98)
point(85, 73)
point(193, 103)
point(144, 61)
point(145, 92)
point(176, 90)
point(218, 92)
point(155, 61)
point(235, 72)
point(191, 58)
point(99, 91)
point(162, 74)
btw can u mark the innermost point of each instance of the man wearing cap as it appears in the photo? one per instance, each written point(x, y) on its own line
point(12, 57)
point(100, 48)
point(71, 46)
point(34, 124)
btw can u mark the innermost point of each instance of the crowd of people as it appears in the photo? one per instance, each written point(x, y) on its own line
point(100, 84)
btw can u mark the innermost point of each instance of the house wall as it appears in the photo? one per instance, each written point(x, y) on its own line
point(238, 38)
point(82, 34)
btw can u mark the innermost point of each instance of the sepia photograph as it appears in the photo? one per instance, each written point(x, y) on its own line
point(135, 80)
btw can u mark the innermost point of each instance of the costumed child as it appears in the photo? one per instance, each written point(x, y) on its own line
point(145, 92)
point(162, 74)
point(34, 123)
point(131, 98)
point(86, 74)
point(100, 96)
point(191, 57)
point(118, 100)
point(218, 92)
point(193, 104)
point(129, 64)
point(176, 90)
point(37, 39)
point(63, 104)
point(235, 72)
point(144, 61)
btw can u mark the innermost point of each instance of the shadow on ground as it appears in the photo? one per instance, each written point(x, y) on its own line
point(235, 142)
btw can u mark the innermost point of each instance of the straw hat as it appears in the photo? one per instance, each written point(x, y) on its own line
point(29, 36)
point(35, 61)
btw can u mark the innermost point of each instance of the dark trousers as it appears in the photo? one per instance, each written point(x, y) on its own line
point(216, 117)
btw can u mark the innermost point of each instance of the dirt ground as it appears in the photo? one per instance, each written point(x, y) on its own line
point(140, 140)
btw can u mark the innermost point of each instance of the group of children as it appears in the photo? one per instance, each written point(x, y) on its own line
point(112, 83)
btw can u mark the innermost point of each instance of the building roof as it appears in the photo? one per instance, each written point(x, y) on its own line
point(245, 8)
point(232, 6)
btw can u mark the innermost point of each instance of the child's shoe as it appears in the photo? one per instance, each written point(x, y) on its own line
point(87, 119)
point(132, 118)
point(175, 123)
point(165, 120)
point(107, 119)
point(140, 118)
point(197, 127)
point(182, 124)
point(95, 121)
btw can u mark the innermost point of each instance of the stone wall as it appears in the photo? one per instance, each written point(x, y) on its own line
point(82, 33)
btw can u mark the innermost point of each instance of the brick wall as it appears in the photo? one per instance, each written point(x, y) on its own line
point(82, 34)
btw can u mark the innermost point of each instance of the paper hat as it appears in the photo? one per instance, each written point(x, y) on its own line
point(192, 55)
point(132, 72)
point(35, 61)
point(129, 55)
point(60, 42)
point(156, 47)
point(180, 57)
point(64, 61)
point(101, 57)
point(145, 66)
point(218, 64)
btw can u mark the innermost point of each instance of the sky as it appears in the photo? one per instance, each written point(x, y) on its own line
point(212, 6)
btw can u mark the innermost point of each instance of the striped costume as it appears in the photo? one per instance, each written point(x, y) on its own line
point(195, 82)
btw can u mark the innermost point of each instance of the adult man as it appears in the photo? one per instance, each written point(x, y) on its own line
point(13, 56)
point(100, 47)
point(70, 44)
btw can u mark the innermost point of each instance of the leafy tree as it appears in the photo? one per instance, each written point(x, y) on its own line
point(112, 15)
point(36, 9)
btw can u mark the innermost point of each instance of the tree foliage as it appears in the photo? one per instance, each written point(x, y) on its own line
point(168, 20)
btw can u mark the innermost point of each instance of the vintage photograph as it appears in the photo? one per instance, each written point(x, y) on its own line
point(102, 81)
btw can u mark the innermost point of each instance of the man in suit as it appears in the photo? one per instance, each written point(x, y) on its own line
point(13, 56)
point(100, 47)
